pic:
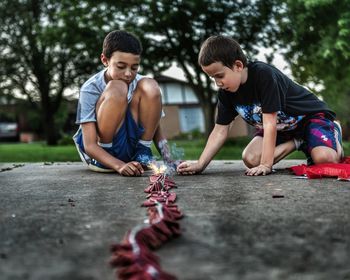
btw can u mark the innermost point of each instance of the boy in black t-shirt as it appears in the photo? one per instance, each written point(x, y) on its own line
point(287, 116)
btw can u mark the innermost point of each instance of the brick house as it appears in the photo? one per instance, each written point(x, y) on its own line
point(183, 112)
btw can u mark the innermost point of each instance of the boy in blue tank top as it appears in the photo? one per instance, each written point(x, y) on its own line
point(119, 111)
point(286, 115)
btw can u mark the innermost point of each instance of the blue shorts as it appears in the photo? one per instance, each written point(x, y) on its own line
point(124, 141)
point(319, 131)
point(316, 130)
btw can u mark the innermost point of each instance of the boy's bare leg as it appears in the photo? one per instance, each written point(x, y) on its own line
point(146, 106)
point(252, 153)
point(323, 154)
point(283, 150)
point(110, 110)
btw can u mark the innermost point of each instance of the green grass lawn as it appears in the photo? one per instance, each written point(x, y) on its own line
point(187, 149)
point(36, 152)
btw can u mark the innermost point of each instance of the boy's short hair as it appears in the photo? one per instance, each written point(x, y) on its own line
point(221, 49)
point(122, 41)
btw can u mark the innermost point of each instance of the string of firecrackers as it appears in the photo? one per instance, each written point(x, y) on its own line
point(340, 170)
point(134, 257)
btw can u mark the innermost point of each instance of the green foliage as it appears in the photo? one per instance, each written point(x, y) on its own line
point(66, 140)
point(33, 120)
point(315, 35)
point(46, 47)
point(172, 32)
point(238, 141)
point(191, 135)
point(7, 117)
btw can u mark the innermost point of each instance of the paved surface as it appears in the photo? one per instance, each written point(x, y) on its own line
point(57, 222)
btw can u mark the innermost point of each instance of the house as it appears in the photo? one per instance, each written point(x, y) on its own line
point(183, 112)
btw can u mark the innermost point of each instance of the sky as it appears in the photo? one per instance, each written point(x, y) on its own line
point(177, 73)
point(278, 62)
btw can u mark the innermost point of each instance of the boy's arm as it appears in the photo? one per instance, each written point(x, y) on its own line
point(98, 153)
point(215, 141)
point(268, 148)
point(162, 146)
point(158, 137)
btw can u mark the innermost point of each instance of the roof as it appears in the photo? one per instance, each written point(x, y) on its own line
point(167, 79)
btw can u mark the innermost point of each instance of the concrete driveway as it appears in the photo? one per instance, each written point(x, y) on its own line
point(58, 220)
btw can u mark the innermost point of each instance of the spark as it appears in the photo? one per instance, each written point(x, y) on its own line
point(157, 169)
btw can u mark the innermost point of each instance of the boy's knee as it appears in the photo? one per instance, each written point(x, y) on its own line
point(149, 88)
point(250, 159)
point(324, 156)
point(116, 90)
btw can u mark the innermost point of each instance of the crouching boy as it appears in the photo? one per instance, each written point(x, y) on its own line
point(286, 115)
point(119, 111)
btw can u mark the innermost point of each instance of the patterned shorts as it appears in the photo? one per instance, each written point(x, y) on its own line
point(317, 130)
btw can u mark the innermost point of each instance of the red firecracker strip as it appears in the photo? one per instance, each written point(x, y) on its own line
point(160, 182)
point(340, 170)
point(133, 257)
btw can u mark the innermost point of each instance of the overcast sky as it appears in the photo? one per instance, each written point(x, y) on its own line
point(278, 62)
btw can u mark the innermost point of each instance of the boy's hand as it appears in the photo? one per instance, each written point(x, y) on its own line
point(259, 170)
point(173, 164)
point(186, 168)
point(132, 168)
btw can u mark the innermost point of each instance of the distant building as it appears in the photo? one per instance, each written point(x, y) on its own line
point(183, 112)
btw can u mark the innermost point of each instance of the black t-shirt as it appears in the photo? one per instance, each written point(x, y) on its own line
point(268, 90)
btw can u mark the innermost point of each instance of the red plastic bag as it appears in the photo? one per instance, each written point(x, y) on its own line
point(339, 170)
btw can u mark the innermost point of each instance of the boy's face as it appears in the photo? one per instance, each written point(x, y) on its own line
point(121, 66)
point(226, 78)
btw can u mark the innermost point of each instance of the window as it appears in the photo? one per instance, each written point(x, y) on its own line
point(177, 93)
point(191, 119)
point(174, 93)
point(190, 96)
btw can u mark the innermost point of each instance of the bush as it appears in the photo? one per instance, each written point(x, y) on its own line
point(66, 140)
point(238, 141)
point(193, 134)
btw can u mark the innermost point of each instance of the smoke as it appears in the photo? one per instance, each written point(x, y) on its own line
point(172, 157)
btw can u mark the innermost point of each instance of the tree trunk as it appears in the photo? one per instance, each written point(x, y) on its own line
point(50, 130)
point(48, 122)
point(209, 114)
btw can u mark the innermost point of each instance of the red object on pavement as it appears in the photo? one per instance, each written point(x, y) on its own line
point(161, 196)
point(133, 257)
point(340, 170)
point(160, 182)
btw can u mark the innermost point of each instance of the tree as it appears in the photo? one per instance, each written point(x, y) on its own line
point(47, 46)
point(315, 37)
point(172, 31)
